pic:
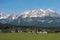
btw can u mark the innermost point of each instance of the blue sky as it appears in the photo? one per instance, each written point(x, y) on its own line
point(11, 6)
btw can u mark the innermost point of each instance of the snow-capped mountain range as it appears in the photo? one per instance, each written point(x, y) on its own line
point(36, 17)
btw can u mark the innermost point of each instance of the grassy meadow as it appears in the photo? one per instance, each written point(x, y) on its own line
point(29, 36)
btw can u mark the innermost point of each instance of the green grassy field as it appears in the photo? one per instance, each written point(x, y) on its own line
point(29, 36)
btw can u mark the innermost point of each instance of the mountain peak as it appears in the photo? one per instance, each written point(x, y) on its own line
point(4, 16)
point(50, 10)
point(39, 13)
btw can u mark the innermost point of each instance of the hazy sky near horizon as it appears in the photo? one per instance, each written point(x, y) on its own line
point(11, 6)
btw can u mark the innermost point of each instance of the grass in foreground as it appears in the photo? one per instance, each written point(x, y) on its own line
point(29, 36)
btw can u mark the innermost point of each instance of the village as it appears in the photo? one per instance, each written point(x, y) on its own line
point(31, 29)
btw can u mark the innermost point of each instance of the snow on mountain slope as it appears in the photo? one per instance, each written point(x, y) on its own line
point(13, 16)
point(4, 16)
point(39, 13)
point(51, 13)
point(31, 13)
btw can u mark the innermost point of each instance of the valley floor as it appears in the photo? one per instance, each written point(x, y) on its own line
point(29, 36)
